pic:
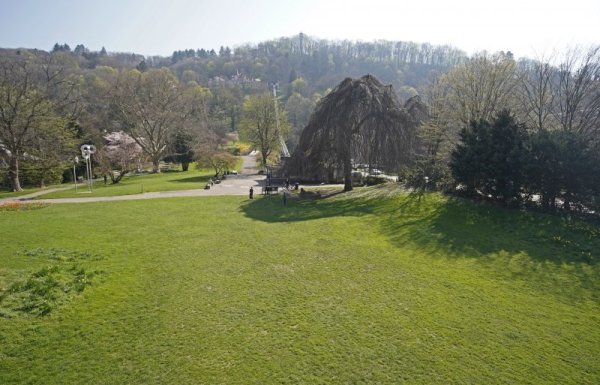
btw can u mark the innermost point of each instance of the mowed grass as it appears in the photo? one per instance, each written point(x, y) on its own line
point(137, 184)
point(351, 289)
point(13, 194)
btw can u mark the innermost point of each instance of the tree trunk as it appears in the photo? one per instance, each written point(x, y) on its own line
point(347, 174)
point(13, 173)
point(567, 202)
point(185, 166)
point(264, 159)
point(545, 200)
point(117, 178)
point(156, 166)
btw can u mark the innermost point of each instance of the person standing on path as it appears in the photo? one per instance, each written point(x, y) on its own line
point(251, 193)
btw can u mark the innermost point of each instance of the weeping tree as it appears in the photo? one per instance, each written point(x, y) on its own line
point(361, 120)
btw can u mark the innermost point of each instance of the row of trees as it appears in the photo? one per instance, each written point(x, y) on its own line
point(503, 161)
point(306, 68)
point(48, 107)
point(545, 148)
point(104, 91)
point(169, 109)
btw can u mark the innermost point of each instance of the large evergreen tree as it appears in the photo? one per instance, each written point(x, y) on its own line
point(182, 149)
point(491, 158)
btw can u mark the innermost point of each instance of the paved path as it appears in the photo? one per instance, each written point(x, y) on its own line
point(233, 185)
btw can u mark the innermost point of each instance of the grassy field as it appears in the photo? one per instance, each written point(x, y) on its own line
point(29, 190)
point(137, 184)
point(350, 289)
point(134, 184)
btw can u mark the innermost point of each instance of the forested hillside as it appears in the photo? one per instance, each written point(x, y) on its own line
point(513, 131)
point(321, 63)
point(301, 67)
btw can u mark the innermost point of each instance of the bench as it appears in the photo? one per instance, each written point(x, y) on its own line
point(267, 190)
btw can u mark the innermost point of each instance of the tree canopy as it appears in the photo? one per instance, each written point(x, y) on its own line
point(361, 120)
point(152, 106)
point(34, 94)
point(260, 125)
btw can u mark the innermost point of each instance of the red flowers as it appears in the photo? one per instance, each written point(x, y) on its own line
point(22, 206)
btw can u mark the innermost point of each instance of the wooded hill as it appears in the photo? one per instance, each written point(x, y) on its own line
point(551, 105)
point(321, 63)
point(303, 69)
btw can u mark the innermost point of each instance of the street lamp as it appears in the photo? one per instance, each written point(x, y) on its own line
point(86, 151)
point(75, 172)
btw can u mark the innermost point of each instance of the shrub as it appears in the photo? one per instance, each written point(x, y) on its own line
point(373, 180)
point(20, 206)
point(244, 148)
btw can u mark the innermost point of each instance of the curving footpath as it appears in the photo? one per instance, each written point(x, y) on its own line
point(233, 185)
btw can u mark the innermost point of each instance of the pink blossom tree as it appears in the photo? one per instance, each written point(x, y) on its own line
point(120, 155)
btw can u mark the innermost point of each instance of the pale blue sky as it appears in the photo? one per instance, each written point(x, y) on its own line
point(151, 27)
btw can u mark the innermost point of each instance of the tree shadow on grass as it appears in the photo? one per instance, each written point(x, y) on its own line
point(551, 253)
point(542, 249)
point(461, 227)
point(271, 209)
point(457, 226)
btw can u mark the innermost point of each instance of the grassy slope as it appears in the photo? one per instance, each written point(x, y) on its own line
point(224, 290)
point(136, 184)
point(13, 194)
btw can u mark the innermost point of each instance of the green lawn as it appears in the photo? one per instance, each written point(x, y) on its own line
point(13, 194)
point(137, 184)
point(350, 289)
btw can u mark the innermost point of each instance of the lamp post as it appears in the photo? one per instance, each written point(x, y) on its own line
point(86, 151)
point(75, 172)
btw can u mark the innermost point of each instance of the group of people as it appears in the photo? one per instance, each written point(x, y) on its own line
point(268, 185)
point(285, 197)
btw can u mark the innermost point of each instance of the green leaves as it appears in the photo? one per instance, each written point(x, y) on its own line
point(491, 158)
point(259, 124)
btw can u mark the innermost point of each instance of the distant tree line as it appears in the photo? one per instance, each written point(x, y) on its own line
point(514, 131)
point(54, 101)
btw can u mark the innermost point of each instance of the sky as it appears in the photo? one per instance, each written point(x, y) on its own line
point(159, 27)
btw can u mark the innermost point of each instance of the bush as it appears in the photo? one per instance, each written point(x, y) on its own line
point(428, 176)
point(33, 175)
point(244, 148)
point(219, 161)
point(373, 180)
